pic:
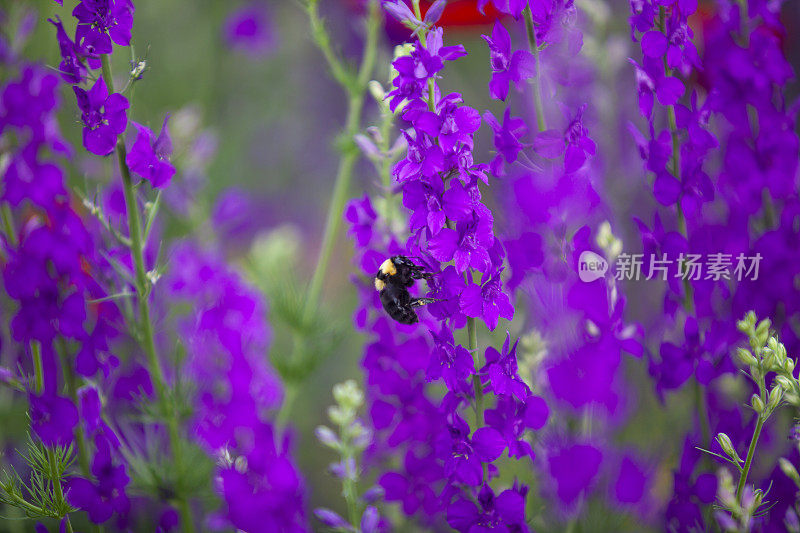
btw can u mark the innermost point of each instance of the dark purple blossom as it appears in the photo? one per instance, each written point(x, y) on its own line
point(53, 418)
point(104, 117)
point(105, 495)
point(487, 301)
point(424, 63)
point(102, 21)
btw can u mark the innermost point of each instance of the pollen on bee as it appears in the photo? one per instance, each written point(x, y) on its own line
point(388, 268)
point(379, 284)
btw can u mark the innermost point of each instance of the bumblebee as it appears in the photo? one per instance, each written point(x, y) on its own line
point(393, 280)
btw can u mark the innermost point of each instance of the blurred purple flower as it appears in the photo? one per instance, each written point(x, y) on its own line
point(149, 156)
point(250, 29)
point(507, 66)
point(53, 418)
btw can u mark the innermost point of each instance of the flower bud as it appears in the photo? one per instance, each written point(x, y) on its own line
point(327, 437)
point(376, 90)
point(762, 331)
point(747, 323)
point(757, 403)
point(789, 469)
point(791, 521)
point(775, 396)
point(727, 447)
point(788, 365)
point(768, 359)
point(784, 382)
point(348, 395)
point(745, 357)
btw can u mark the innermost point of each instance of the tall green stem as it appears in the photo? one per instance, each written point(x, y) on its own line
point(145, 323)
point(530, 30)
point(38, 371)
point(70, 380)
point(8, 224)
point(750, 454)
point(356, 88)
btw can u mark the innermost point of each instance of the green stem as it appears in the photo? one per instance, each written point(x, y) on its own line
point(38, 372)
point(702, 412)
point(530, 30)
point(289, 396)
point(356, 90)
point(145, 322)
point(750, 453)
point(472, 334)
point(8, 224)
point(349, 483)
point(71, 381)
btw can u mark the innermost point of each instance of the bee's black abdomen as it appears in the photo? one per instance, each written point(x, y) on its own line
point(397, 304)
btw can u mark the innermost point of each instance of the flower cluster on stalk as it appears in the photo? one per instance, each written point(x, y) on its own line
point(446, 463)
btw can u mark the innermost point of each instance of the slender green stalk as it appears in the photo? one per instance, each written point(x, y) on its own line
point(356, 88)
point(749, 460)
point(145, 323)
point(38, 372)
point(472, 333)
point(8, 224)
point(530, 30)
point(72, 390)
point(289, 396)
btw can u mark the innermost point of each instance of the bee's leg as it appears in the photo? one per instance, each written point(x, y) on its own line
point(418, 302)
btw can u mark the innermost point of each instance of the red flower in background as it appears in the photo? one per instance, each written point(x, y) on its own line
point(458, 13)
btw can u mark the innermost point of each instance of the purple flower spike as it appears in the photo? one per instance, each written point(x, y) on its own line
point(507, 66)
point(149, 157)
point(104, 117)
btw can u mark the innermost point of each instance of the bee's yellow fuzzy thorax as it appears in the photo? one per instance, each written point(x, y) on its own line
point(379, 284)
point(388, 268)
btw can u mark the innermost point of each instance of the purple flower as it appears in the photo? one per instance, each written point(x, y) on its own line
point(401, 12)
point(501, 371)
point(468, 244)
point(505, 512)
point(106, 495)
point(573, 469)
point(453, 363)
point(631, 484)
point(506, 139)
point(104, 117)
point(487, 301)
point(512, 418)
point(507, 66)
point(149, 157)
point(72, 68)
point(53, 418)
point(451, 124)
point(249, 28)
point(574, 143)
point(509, 7)
point(413, 71)
point(102, 21)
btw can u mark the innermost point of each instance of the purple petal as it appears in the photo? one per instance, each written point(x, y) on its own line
point(488, 444)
